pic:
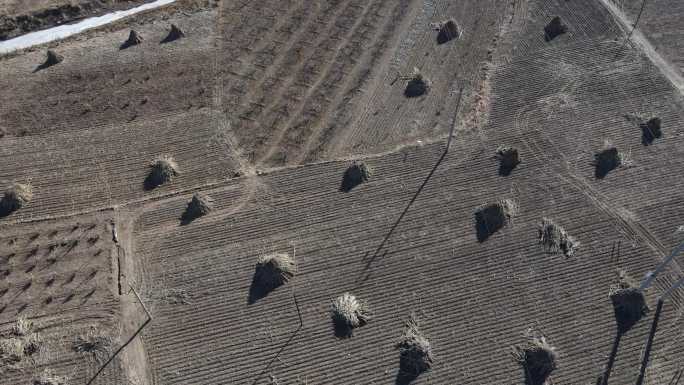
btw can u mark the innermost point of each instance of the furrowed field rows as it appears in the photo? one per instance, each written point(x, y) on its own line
point(327, 98)
point(60, 274)
point(108, 165)
point(587, 108)
point(221, 292)
point(661, 22)
point(586, 20)
point(311, 83)
point(383, 117)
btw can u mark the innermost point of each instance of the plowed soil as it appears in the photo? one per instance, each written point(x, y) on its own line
point(263, 105)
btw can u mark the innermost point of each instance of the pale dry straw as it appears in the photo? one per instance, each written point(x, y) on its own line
point(348, 312)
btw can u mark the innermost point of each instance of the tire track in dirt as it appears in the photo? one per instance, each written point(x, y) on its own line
point(294, 41)
point(277, 137)
point(360, 74)
point(346, 79)
point(563, 171)
point(666, 68)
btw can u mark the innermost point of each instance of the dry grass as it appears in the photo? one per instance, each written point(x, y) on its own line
point(200, 205)
point(20, 344)
point(554, 238)
point(48, 377)
point(415, 350)
point(273, 270)
point(163, 170)
point(11, 353)
point(16, 197)
point(92, 343)
point(538, 358)
point(22, 327)
point(348, 312)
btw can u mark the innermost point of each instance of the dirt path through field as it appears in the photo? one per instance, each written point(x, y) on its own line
point(668, 70)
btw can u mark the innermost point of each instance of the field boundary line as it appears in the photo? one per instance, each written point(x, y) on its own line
point(665, 67)
point(149, 319)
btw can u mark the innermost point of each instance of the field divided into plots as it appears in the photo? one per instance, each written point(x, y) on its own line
point(475, 298)
point(309, 82)
point(62, 275)
point(98, 167)
point(98, 84)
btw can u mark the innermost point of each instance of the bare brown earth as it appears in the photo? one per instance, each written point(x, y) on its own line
point(262, 105)
point(18, 17)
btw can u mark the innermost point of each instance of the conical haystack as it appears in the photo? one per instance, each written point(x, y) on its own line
point(53, 58)
point(134, 38)
point(15, 197)
point(554, 238)
point(417, 85)
point(163, 170)
point(48, 377)
point(628, 301)
point(198, 206)
point(606, 160)
point(354, 175)
point(415, 351)
point(448, 30)
point(538, 358)
point(508, 157)
point(174, 34)
point(554, 29)
point(651, 131)
point(492, 217)
point(347, 313)
point(271, 271)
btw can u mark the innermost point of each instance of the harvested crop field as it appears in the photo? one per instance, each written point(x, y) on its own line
point(255, 173)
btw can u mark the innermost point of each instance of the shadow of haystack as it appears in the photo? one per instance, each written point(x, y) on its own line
point(418, 85)
point(199, 206)
point(271, 272)
point(606, 160)
point(448, 31)
point(174, 34)
point(650, 131)
point(134, 38)
point(508, 158)
point(348, 313)
point(163, 170)
point(415, 354)
point(554, 29)
point(354, 175)
point(14, 198)
point(492, 217)
point(53, 58)
point(629, 306)
point(538, 360)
